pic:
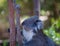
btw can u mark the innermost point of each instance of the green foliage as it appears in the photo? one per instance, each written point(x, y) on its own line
point(4, 43)
point(51, 32)
point(43, 12)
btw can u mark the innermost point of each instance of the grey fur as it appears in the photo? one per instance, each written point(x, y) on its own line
point(39, 39)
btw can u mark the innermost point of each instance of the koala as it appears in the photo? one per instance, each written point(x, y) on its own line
point(32, 33)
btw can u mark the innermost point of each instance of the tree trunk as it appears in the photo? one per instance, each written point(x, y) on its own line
point(55, 10)
point(36, 7)
point(19, 37)
point(12, 24)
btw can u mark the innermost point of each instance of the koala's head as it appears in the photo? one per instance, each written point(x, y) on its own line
point(30, 27)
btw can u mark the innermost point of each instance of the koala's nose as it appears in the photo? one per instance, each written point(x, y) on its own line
point(22, 33)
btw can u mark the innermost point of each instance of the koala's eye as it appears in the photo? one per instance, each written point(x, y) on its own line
point(38, 20)
point(35, 23)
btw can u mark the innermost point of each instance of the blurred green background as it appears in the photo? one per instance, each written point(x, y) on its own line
point(50, 15)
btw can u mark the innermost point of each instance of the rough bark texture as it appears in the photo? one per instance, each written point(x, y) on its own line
point(12, 24)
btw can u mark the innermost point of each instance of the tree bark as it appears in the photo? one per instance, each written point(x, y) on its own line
point(36, 7)
point(12, 24)
point(19, 37)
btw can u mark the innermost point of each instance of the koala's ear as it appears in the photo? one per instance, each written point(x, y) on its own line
point(39, 24)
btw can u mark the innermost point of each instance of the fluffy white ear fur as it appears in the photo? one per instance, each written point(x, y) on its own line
point(40, 25)
point(28, 35)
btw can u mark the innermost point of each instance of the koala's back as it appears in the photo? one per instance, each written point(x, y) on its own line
point(36, 41)
point(40, 41)
point(50, 41)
